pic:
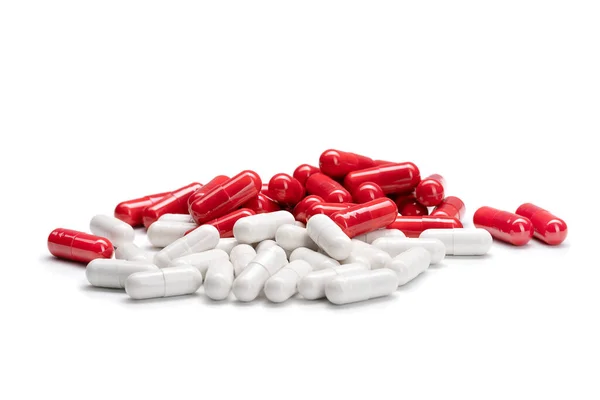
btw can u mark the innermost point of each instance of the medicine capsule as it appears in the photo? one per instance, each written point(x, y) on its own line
point(131, 252)
point(317, 260)
point(413, 226)
point(240, 257)
point(363, 286)
point(370, 237)
point(250, 282)
point(226, 223)
point(219, 280)
point(367, 254)
point(201, 261)
point(286, 189)
point(337, 164)
point(226, 197)
point(112, 273)
point(312, 286)
point(395, 246)
point(408, 205)
point(290, 237)
point(204, 238)
point(452, 207)
point(227, 244)
point(410, 264)
point(326, 209)
point(262, 204)
point(461, 242)
point(329, 190)
point(173, 203)
point(299, 211)
point(165, 282)
point(163, 233)
point(204, 190)
point(78, 246)
point(504, 225)
point(178, 217)
point(303, 172)
point(430, 191)
point(259, 227)
point(366, 217)
point(132, 211)
point(267, 244)
point(391, 178)
point(382, 162)
point(283, 284)
point(329, 237)
point(115, 230)
point(366, 192)
point(547, 227)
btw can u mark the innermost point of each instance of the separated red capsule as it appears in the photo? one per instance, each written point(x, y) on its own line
point(303, 172)
point(413, 226)
point(392, 178)
point(452, 207)
point(430, 191)
point(331, 191)
point(132, 211)
point(226, 197)
point(299, 211)
point(262, 204)
point(367, 191)
point(326, 208)
point(547, 227)
point(408, 205)
point(337, 164)
point(367, 217)
point(200, 193)
point(504, 225)
point(286, 189)
point(78, 246)
point(225, 224)
point(173, 203)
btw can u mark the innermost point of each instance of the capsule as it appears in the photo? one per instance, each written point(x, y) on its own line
point(226, 197)
point(132, 211)
point(163, 233)
point(360, 287)
point(299, 211)
point(408, 205)
point(259, 227)
point(370, 237)
point(227, 244)
point(178, 217)
point(391, 178)
point(173, 203)
point(503, 225)
point(131, 252)
point(430, 191)
point(165, 282)
point(240, 257)
point(326, 209)
point(547, 227)
point(337, 164)
point(204, 238)
point(451, 207)
point(461, 242)
point(303, 172)
point(395, 246)
point(413, 226)
point(367, 254)
point(367, 217)
point(115, 230)
point(286, 189)
point(201, 261)
point(329, 237)
point(410, 264)
point(226, 223)
point(289, 237)
point(78, 246)
point(312, 286)
point(317, 260)
point(250, 282)
point(261, 204)
point(283, 284)
point(366, 192)
point(204, 190)
point(112, 273)
point(329, 190)
point(219, 280)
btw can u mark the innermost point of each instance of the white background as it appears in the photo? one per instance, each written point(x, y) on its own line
point(105, 101)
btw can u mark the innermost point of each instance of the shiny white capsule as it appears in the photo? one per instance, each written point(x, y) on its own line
point(131, 252)
point(219, 279)
point(410, 264)
point(163, 233)
point(177, 218)
point(227, 244)
point(317, 260)
point(266, 244)
point(250, 282)
point(115, 230)
point(201, 261)
point(201, 239)
point(462, 242)
point(368, 254)
point(329, 236)
point(112, 273)
point(361, 286)
point(165, 282)
point(290, 237)
point(370, 237)
point(259, 227)
point(312, 286)
point(283, 284)
point(240, 257)
point(394, 246)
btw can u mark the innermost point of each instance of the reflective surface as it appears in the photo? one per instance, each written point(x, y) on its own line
point(325, 187)
point(286, 189)
point(78, 246)
point(337, 163)
point(213, 183)
point(392, 178)
point(132, 211)
point(173, 203)
point(326, 208)
point(452, 207)
point(547, 227)
point(299, 211)
point(430, 191)
point(413, 226)
point(366, 192)
point(225, 223)
point(408, 205)
point(303, 172)
point(262, 204)
point(504, 225)
point(367, 217)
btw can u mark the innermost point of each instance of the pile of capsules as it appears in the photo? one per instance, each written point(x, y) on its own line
point(351, 230)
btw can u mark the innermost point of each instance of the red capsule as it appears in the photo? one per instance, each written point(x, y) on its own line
point(547, 227)
point(430, 191)
point(452, 207)
point(285, 189)
point(504, 225)
point(225, 224)
point(200, 193)
point(413, 226)
point(367, 217)
point(132, 211)
point(226, 197)
point(78, 246)
point(408, 205)
point(303, 172)
point(262, 204)
point(173, 203)
point(325, 187)
point(299, 211)
point(392, 178)
point(381, 162)
point(337, 164)
point(326, 208)
point(366, 192)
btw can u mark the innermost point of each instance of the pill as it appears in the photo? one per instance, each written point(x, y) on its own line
point(547, 227)
point(290, 237)
point(262, 204)
point(362, 286)
point(173, 203)
point(286, 189)
point(303, 172)
point(112, 273)
point(132, 211)
point(329, 237)
point(367, 191)
point(131, 252)
point(413, 226)
point(283, 284)
point(204, 238)
point(201, 261)
point(391, 178)
point(366, 217)
point(210, 185)
point(367, 254)
point(317, 260)
point(395, 246)
point(370, 237)
point(326, 209)
point(298, 223)
point(265, 244)
point(115, 230)
point(382, 162)
point(337, 163)
point(240, 257)
point(226, 197)
point(226, 223)
point(312, 286)
point(78, 246)
point(430, 191)
point(163, 233)
point(452, 207)
point(165, 282)
point(409, 264)
point(227, 244)
point(329, 190)
point(177, 217)
point(461, 242)
point(250, 282)
point(503, 225)
point(259, 227)
point(219, 280)
point(299, 210)
point(408, 205)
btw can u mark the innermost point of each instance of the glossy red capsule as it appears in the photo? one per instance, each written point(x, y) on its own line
point(408, 205)
point(367, 217)
point(225, 223)
point(326, 208)
point(366, 192)
point(547, 227)
point(392, 178)
point(504, 225)
point(430, 191)
point(286, 189)
point(381, 162)
point(213, 183)
point(226, 197)
point(325, 187)
point(262, 204)
point(78, 246)
point(452, 207)
point(337, 164)
point(173, 203)
point(413, 226)
point(299, 211)
point(132, 211)
point(303, 172)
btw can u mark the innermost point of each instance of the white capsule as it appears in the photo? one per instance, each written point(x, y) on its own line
point(329, 236)
point(165, 282)
point(201, 261)
point(283, 284)
point(131, 252)
point(394, 246)
point(259, 227)
point(267, 244)
point(410, 264)
point(370, 237)
point(163, 233)
point(290, 237)
point(317, 260)
point(368, 254)
point(363, 286)
point(177, 218)
point(462, 242)
point(250, 282)
point(219, 279)
point(312, 286)
point(203, 238)
point(227, 244)
point(300, 224)
point(115, 230)
point(112, 273)
point(240, 257)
